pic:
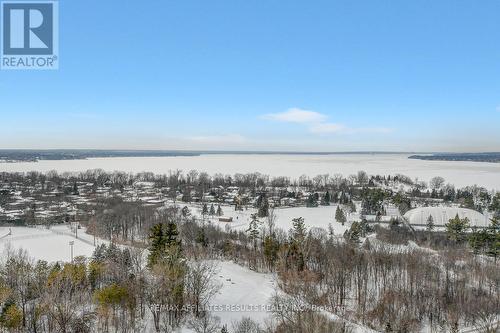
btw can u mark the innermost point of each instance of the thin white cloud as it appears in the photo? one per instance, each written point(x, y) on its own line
point(296, 115)
point(317, 124)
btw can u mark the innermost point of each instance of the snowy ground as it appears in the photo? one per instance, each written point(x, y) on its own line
point(458, 173)
point(242, 289)
point(319, 217)
point(47, 244)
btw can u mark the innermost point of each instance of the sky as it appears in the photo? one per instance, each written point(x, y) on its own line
point(351, 75)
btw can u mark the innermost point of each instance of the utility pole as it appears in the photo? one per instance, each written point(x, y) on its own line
point(71, 246)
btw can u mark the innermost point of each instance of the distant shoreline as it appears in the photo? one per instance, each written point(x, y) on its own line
point(31, 155)
point(460, 157)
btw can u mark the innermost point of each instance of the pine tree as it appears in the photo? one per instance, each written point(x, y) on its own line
point(171, 234)
point(457, 227)
point(254, 229)
point(75, 189)
point(326, 199)
point(157, 246)
point(430, 223)
point(295, 254)
point(354, 233)
point(204, 210)
point(477, 239)
point(493, 242)
point(312, 201)
point(263, 207)
point(271, 248)
point(340, 216)
point(212, 210)
point(254, 235)
point(162, 237)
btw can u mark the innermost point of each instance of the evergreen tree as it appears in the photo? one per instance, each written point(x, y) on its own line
point(263, 207)
point(477, 240)
point(312, 201)
point(493, 243)
point(171, 234)
point(162, 238)
point(254, 235)
point(212, 210)
point(157, 247)
point(430, 223)
point(75, 189)
point(271, 248)
point(326, 199)
point(365, 227)
point(204, 210)
point(340, 216)
point(295, 254)
point(201, 238)
point(354, 233)
point(457, 227)
point(254, 230)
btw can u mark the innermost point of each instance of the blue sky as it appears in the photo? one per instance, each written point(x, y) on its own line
point(264, 75)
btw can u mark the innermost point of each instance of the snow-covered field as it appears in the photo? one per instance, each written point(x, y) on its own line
point(319, 217)
point(46, 244)
point(458, 173)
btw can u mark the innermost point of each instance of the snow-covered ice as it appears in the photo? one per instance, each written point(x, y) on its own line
point(458, 173)
point(46, 244)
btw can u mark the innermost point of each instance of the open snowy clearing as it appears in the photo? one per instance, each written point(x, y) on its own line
point(242, 289)
point(458, 173)
point(314, 217)
point(47, 244)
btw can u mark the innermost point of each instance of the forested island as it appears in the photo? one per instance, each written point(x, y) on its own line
point(473, 157)
point(18, 155)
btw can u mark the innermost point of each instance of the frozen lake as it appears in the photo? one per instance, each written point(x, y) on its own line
point(457, 173)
